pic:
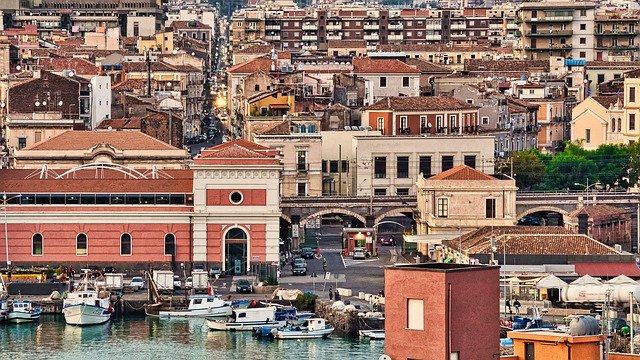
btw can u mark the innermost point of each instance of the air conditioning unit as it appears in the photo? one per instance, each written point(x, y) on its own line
point(618, 247)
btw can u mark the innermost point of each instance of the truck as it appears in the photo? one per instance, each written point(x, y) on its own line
point(113, 281)
point(163, 280)
point(200, 281)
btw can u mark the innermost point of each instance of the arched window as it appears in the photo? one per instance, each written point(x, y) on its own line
point(37, 245)
point(169, 244)
point(613, 125)
point(235, 249)
point(303, 128)
point(236, 234)
point(312, 128)
point(125, 244)
point(82, 245)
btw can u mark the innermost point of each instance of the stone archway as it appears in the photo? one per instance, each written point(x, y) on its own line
point(394, 212)
point(542, 209)
point(361, 218)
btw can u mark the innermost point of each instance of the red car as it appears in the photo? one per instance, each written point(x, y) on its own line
point(387, 240)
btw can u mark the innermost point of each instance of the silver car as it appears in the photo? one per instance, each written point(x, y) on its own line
point(359, 254)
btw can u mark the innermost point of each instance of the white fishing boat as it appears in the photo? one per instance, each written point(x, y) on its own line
point(201, 306)
point(87, 305)
point(313, 328)
point(247, 319)
point(23, 311)
point(372, 334)
point(4, 310)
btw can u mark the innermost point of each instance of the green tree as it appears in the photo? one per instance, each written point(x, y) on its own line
point(568, 168)
point(612, 162)
point(528, 169)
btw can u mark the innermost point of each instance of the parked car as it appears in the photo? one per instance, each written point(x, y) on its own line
point(299, 262)
point(188, 284)
point(387, 240)
point(244, 286)
point(215, 271)
point(137, 282)
point(110, 270)
point(299, 269)
point(359, 254)
point(177, 283)
point(198, 267)
point(307, 253)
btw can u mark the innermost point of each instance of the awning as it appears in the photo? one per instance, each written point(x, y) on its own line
point(608, 269)
point(586, 280)
point(435, 239)
point(551, 282)
point(279, 106)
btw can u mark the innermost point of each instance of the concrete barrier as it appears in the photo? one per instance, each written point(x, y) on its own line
point(344, 292)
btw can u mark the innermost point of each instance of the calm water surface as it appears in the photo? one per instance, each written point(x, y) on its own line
point(149, 338)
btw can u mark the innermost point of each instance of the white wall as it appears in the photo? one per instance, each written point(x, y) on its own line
point(100, 99)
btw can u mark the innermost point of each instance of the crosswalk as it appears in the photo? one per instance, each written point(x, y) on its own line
point(348, 261)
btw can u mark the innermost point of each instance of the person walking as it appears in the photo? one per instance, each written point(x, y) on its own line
point(324, 264)
point(330, 293)
point(508, 306)
point(516, 304)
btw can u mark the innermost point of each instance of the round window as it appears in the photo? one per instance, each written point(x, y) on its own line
point(236, 197)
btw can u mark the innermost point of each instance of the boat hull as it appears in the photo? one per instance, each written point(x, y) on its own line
point(301, 334)
point(212, 312)
point(217, 325)
point(373, 334)
point(23, 317)
point(83, 314)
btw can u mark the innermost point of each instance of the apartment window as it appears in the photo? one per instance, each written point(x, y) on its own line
point(485, 120)
point(583, 41)
point(632, 94)
point(125, 244)
point(81, 245)
point(415, 314)
point(490, 208)
point(37, 245)
point(402, 191)
point(438, 121)
point(470, 101)
point(583, 54)
point(380, 167)
point(447, 162)
point(256, 87)
point(423, 124)
point(583, 26)
point(136, 28)
point(587, 136)
point(381, 125)
point(470, 160)
point(632, 121)
point(302, 160)
point(403, 122)
point(383, 81)
point(402, 167)
point(425, 165)
point(169, 244)
point(583, 13)
point(345, 166)
point(302, 189)
point(458, 59)
point(617, 76)
point(600, 78)
point(405, 81)
point(453, 121)
point(22, 143)
point(333, 166)
point(443, 207)
point(380, 192)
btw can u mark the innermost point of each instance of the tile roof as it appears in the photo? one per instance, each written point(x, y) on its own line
point(141, 66)
point(190, 24)
point(382, 66)
point(522, 103)
point(606, 101)
point(346, 44)
point(79, 66)
point(600, 212)
point(132, 123)
point(613, 64)
point(129, 40)
point(278, 128)
point(428, 67)
point(483, 234)
point(462, 172)
point(237, 152)
point(420, 103)
point(249, 67)
point(255, 49)
point(505, 67)
point(84, 140)
point(133, 84)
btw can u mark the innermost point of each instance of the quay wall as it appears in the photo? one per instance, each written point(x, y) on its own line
point(346, 323)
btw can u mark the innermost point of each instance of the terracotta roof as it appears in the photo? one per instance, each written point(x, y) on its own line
point(249, 67)
point(514, 68)
point(606, 101)
point(545, 244)
point(428, 67)
point(255, 49)
point(79, 66)
point(132, 84)
point(420, 103)
point(133, 123)
point(85, 181)
point(237, 152)
point(382, 66)
point(482, 234)
point(462, 172)
point(129, 40)
point(83, 140)
point(346, 44)
point(600, 212)
point(278, 128)
point(522, 103)
point(191, 24)
point(615, 64)
point(141, 66)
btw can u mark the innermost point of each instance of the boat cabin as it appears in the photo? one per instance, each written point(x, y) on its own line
point(254, 314)
point(198, 302)
point(22, 305)
point(315, 324)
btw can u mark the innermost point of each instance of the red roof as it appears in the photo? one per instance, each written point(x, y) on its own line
point(258, 64)
point(420, 103)
point(607, 269)
point(462, 172)
point(84, 140)
point(382, 66)
point(77, 65)
point(237, 152)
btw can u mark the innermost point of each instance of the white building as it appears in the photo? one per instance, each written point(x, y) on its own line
point(100, 99)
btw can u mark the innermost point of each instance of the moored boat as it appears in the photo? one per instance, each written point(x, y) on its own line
point(247, 319)
point(87, 305)
point(201, 306)
point(312, 328)
point(23, 311)
point(372, 334)
point(4, 310)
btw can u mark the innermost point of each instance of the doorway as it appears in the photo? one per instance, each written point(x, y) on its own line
point(235, 249)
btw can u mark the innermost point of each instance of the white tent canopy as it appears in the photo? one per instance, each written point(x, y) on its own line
point(551, 282)
point(586, 280)
point(621, 280)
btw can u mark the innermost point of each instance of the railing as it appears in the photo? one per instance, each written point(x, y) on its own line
point(309, 27)
point(547, 33)
point(405, 131)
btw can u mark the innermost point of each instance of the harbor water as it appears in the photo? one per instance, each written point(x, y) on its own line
point(145, 338)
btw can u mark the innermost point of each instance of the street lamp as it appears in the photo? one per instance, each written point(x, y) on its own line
point(586, 189)
point(6, 229)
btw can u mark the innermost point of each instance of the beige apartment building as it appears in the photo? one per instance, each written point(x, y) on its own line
point(631, 127)
point(598, 121)
point(616, 36)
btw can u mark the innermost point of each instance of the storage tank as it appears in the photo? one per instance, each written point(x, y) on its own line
point(584, 325)
point(592, 293)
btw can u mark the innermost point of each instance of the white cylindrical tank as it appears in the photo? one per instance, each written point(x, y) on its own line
point(598, 293)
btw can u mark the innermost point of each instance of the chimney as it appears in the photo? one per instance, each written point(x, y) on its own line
point(583, 223)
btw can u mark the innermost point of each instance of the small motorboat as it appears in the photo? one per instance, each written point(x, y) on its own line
point(87, 304)
point(23, 311)
point(313, 328)
point(372, 334)
point(248, 319)
point(201, 306)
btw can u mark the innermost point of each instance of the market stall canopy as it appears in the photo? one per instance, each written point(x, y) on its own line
point(551, 282)
point(586, 280)
point(621, 280)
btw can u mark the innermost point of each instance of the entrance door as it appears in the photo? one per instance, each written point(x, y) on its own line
point(528, 351)
point(235, 249)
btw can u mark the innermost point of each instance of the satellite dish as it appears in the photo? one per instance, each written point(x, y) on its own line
point(175, 51)
point(71, 73)
point(37, 103)
point(18, 67)
point(384, 357)
point(60, 103)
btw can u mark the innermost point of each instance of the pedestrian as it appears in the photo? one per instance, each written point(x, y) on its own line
point(507, 304)
point(516, 304)
point(324, 264)
point(330, 293)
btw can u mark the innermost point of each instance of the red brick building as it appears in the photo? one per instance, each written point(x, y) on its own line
point(423, 115)
point(442, 311)
point(224, 210)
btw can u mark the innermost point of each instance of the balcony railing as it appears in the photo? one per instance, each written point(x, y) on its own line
point(433, 37)
point(547, 47)
point(551, 32)
point(371, 26)
point(309, 27)
point(395, 26)
point(272, 27)
point(395, 37)
point(623, 32)
point(372, 37)
point(458, 26)
point(333, 27)
point(309, 37)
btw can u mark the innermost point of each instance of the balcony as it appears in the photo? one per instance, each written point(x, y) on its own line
point(495, 26)
point(334, 37)
point(309, 37)
point(548, 47)
point(309, 47)
point(458, 26)
point(372, 37)
point(619, 47)
point(395, 26)
point(623, 32)
point(334, 27)
point(395, 37)
point(552, 18)
point(272, 37)
point(251, 29)
point(371, 26)
point(458, 36)
point(550, 33)
point(272, 27)
point(433, 37)
point(513, 26)
point(310, 27)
